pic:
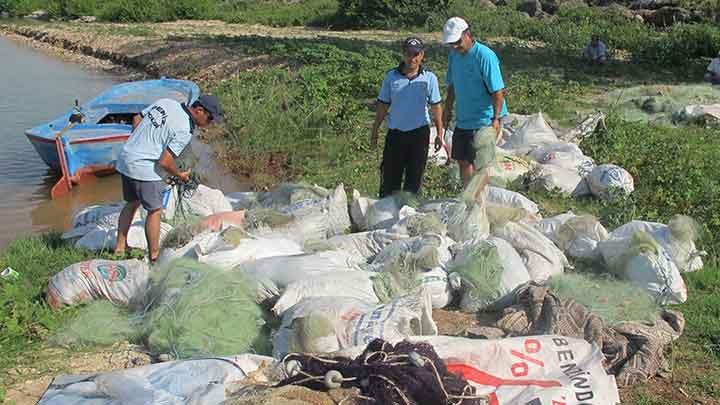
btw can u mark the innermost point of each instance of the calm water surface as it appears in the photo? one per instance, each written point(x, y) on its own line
point(37, 88)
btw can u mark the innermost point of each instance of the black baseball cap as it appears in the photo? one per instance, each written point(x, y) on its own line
point(212, 105)
point(414, 45)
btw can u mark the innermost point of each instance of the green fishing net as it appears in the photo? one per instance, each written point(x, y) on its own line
point(182, 234)
point(658, 103)
point(100, 323)
point(190, 310)
point(481, 272)
point(291, 193)
point(197, 310)
point(418, 225)
point(400, 275)
point(613, 300)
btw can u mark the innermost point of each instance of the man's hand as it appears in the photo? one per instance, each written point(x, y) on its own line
point(447, 117)
point(498, 131)
point(374, 138)
point(438, 142)
point(184, 176)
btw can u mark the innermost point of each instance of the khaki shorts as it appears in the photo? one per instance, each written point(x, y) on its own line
point(474, 145)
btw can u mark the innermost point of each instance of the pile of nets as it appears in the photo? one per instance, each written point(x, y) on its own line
point(613, 300)
point(658, 104)
point(190, 310)
point(406, 373)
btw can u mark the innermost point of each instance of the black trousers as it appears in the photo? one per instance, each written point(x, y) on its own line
point(405, 154)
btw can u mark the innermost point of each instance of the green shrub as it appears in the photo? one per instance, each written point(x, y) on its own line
point(20, 8)
point(389, 13)
point(682, 43)
point(74, 8)
point(135, 11)
point(309, 12)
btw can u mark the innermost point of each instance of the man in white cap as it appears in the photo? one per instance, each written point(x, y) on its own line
point(712, 73)
point(477, 90)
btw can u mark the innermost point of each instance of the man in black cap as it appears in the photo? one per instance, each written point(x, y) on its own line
point(160, 134)
point(406, 92)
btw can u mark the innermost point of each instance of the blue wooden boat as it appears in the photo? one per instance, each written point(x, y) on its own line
point(87, 139)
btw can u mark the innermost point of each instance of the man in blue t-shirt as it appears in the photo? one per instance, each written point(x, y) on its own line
point(160, 133)
point(477, 90)
point(406, 92)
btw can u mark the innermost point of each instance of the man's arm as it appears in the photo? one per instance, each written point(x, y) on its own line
point(449, 103)
point(137, 118)
point(497, 102)
point(437, 112)
point(167, 162)
point(381, 110)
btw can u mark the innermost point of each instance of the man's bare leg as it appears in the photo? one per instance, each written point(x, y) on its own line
point(467, 169)
point(152, 233)
point(126, 216)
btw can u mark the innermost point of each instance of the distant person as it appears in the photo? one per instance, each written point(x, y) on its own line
point(476, 89)
point(160, 134)
point(406, 92)
point(712, 73)
point(596, 51)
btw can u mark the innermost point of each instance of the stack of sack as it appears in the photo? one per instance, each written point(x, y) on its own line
point(332, 273)
point(563, 166)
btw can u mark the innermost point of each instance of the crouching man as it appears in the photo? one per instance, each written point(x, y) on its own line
point(160, 134)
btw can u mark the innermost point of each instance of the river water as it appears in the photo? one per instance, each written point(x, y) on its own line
point(35, 89)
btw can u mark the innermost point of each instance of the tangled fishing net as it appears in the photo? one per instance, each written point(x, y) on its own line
point(481, 271)
point(190, 310)
point(613, 300)
point(421, 224)
point(197, 310)
point(406, 373)
point(658, 104)
point(100, 323)
point(467, 219)
point(291, 193)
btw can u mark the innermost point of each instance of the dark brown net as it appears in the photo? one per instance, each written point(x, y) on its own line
point(406, 373)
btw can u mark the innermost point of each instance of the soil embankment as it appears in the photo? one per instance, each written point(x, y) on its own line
point(202, 51)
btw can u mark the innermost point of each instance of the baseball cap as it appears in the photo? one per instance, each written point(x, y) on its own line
point(453, 29)
point(413, 44)
point(212, 105)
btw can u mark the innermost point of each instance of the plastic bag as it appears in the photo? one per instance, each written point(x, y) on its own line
point(120, 282)
point(507, 198)
point(235, 247)
point(365, 245)
point(486, 272)
point(273, 274)
point(203, 202)
point(531, 134)
point(356, 284)
point(359, 210)
point(541, 257)
point(610, 181)
point(328, 324)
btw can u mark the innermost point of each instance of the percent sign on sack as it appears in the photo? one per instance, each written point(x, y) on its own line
point(521, 369)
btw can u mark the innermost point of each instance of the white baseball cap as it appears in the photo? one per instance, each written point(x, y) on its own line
point(453, 29)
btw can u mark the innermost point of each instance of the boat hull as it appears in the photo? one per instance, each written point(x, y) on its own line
point(98, 140)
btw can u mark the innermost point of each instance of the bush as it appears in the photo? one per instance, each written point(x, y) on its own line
point(135, 11)
point(683, 42)
point(389, 13)
point(308, 12)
